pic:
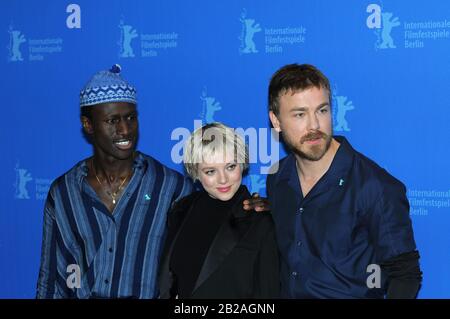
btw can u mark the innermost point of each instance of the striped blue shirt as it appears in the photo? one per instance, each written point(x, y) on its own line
point(88, 252)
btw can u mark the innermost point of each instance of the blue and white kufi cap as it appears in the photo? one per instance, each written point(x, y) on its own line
point(107, 86)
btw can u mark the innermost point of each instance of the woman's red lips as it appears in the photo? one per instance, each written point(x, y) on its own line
point(223, 189)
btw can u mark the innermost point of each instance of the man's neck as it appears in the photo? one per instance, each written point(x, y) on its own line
point(314, 170)
point(112, 168)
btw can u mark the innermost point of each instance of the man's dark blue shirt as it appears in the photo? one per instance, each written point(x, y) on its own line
point(355, 216)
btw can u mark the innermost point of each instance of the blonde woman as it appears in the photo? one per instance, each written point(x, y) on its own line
point(215, 249)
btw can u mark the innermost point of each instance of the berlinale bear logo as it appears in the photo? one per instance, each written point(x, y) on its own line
point(209, 107)
point(375, 21)
point(127, 34)
point(249, 28)
point(16, 38)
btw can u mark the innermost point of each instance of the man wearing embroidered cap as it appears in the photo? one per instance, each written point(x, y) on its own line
point(105, 219)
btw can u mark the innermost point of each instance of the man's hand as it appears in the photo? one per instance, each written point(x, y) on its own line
point(257, 203)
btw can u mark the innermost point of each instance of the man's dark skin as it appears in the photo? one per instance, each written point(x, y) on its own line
point(117, 122)
point(259, 204)
point(109, 124)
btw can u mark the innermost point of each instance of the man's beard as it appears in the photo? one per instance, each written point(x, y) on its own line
point(314, 152)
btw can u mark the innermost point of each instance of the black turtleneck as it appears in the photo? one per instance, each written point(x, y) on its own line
point(195, 238)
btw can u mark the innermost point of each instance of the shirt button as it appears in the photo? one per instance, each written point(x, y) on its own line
point(110, 250)
point(299, 243)
point(294, 273)
point(300, 210)
point(106, 281)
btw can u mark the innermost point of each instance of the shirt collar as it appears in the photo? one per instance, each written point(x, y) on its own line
point(342, 162)
point(339, 168)
point(81, 168)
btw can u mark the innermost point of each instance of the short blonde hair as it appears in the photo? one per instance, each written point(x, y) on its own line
point(212, 139)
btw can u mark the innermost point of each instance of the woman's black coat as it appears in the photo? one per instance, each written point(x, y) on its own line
point(242, 261)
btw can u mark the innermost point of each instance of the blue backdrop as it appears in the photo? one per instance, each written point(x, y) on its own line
point(388, 62)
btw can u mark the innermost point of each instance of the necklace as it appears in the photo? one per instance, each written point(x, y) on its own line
point(113, 195)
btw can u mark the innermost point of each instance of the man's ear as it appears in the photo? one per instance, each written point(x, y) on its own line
point(275, 121)
point(87, 125)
